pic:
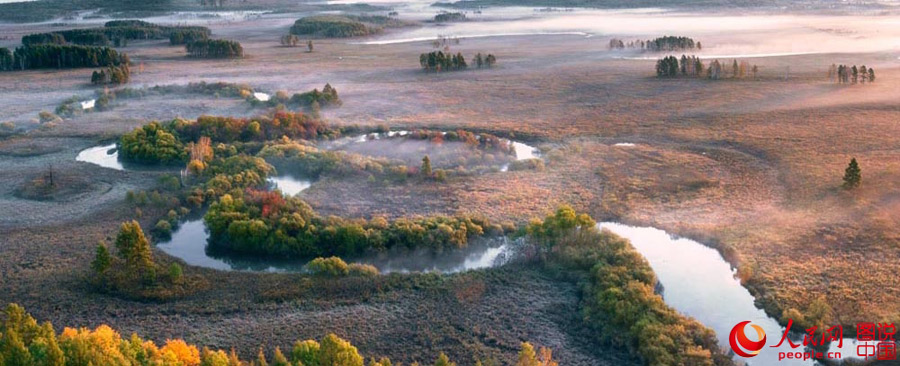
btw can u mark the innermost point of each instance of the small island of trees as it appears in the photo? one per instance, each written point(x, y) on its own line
point(214, 48)
point(439, 61)
point(693, 66)
point(449, 17)
point(112, 75)
point(843, 74)
point(660, 44)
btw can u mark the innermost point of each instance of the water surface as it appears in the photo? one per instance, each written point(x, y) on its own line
point(106, 156)
point(699, 283)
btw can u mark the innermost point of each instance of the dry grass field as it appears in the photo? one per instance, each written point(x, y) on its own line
point(752, 167)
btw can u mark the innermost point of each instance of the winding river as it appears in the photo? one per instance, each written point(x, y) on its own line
point(699, 283)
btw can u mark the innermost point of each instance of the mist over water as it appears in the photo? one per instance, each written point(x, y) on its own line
point(723, 35)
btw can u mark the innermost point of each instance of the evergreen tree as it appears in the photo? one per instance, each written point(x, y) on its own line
point(527, 356)
point(102, 260)
point(871, 75)
point(278, 359)
point(852, 175)
point(426, 166)
point(443, 360)
point(134, 248)
point(260, 358)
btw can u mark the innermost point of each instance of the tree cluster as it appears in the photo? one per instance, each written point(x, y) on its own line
point(185, 36)
point(152, 143)
point(133, 271)
point(120, 31)
point(290, 40)
point(50, 56)
point(325, 98)
point(111, 75)
point(165, 142)
point(263, 223)
point(332, 26)
point(843, 74)
point(214, 48)
point(438, 61)
point(692, 66)
point(445, 17)
point(24, 342)
point(660, 44)
point(620, 303)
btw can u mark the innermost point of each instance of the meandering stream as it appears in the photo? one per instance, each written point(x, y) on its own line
point(698, 282)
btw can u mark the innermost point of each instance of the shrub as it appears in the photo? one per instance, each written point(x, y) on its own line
point(364, 270)
point(331, 266)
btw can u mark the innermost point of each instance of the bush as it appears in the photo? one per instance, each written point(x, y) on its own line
point(331, 266)
point(527, 164)
point(363, 270)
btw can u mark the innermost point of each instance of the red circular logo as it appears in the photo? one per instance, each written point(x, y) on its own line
point(740, 342)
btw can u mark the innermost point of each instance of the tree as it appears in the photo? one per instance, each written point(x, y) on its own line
point(426, 166)
point(134, 248)
point(305, 353)
point(309, 46)
point(852, 175)
point(278, 358)
point(102, 259)
point(335, 351)
point(443, 360)
point(260, 358)
point(871, 75)
point(527, 356)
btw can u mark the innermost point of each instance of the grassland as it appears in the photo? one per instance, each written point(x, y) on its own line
point(752, 167)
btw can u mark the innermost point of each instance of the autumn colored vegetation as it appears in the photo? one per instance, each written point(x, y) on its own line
point(268, 224)
point(618, 299)
point(24, 342)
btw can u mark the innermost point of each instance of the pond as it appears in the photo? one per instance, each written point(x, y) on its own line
point(698, 282)
point(189, 243)
point(106, 156)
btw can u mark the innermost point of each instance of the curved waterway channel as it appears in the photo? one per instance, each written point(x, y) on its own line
point(698, 282)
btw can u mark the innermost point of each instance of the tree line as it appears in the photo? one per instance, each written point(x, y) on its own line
point(214, 48)
point(25, 342)
point(119, 31)
point(693, 66)
point(438, 61)
point(54, 56)
point(843, 74)
point(659, 44)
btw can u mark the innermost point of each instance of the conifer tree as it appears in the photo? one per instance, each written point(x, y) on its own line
point(102, 259)
point(852, 175)
point(426, 166)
